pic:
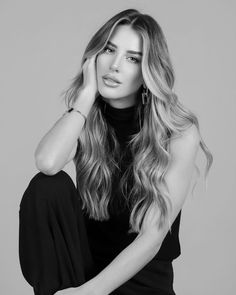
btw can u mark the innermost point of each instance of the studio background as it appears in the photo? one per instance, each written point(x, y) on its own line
point(41, 48)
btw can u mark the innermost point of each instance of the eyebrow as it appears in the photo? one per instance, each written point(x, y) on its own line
point(129, 51)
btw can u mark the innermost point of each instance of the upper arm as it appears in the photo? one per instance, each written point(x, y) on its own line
point(72, 153)
point(183, 151)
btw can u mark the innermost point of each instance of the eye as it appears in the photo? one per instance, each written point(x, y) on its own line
point(133, 59)
point(107, 49)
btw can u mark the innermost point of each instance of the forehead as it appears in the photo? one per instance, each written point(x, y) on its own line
point(126, 37)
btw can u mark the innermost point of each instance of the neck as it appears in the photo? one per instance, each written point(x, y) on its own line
point(121, 103)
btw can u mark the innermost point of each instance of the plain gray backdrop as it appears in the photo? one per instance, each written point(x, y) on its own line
point(41, 48)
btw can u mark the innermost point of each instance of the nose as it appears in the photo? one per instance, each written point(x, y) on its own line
point(114, 67)
point(115, 64)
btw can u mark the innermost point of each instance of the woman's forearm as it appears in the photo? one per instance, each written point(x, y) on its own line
point(55, 147)
point(131, 260)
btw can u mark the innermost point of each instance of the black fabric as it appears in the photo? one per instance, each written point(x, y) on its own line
point(60, 247)
point(53, 247)
point(114, 231)
point(54, 250)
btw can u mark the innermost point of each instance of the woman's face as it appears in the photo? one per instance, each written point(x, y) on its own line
point(121, 60)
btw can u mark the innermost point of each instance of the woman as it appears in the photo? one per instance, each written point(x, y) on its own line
point(134, 147)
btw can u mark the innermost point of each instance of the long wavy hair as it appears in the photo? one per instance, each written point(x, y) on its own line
point(97, 159)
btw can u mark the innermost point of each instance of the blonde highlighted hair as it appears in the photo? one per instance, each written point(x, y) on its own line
point(97, 156)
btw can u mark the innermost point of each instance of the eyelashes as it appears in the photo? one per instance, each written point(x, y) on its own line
point(110, 50)
point(107, 48)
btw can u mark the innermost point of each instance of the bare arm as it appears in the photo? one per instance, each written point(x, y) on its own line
point(60, 141)
point(59, 144)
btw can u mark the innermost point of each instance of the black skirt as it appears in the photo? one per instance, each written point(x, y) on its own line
point(54, 251)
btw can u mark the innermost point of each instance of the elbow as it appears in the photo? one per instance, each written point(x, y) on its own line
point(44, 165)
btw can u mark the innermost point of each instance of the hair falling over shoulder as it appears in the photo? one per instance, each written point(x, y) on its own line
point(164, 115)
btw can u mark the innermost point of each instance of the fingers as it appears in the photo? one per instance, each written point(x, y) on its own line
point(92, 59)
point(89, 64)
point(89, 73)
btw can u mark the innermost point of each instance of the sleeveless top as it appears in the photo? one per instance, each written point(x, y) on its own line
point(108, 238)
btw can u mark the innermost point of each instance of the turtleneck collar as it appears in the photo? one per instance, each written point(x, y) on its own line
point(113, 113)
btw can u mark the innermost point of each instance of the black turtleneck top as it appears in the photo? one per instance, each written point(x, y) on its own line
point(108, 238)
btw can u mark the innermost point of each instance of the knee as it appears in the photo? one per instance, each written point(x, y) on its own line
point(56, 182)
point(49, 187)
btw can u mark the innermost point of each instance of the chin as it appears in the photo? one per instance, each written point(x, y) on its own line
point(110, 93)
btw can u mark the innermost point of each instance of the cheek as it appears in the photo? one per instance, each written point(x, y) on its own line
point(134, 76)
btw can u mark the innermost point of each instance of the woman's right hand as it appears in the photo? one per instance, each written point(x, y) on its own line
point(90, 76)
point(89, 90)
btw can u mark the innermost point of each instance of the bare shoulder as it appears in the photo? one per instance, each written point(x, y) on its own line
point(187, 142)
point(192, 134)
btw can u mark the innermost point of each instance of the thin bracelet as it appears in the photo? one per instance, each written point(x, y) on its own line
point(72, 109)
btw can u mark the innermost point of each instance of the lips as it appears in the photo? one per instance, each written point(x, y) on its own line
point(112, 78)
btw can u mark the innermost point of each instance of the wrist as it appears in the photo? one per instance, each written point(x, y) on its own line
point(84, 102)
point(92, 287)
